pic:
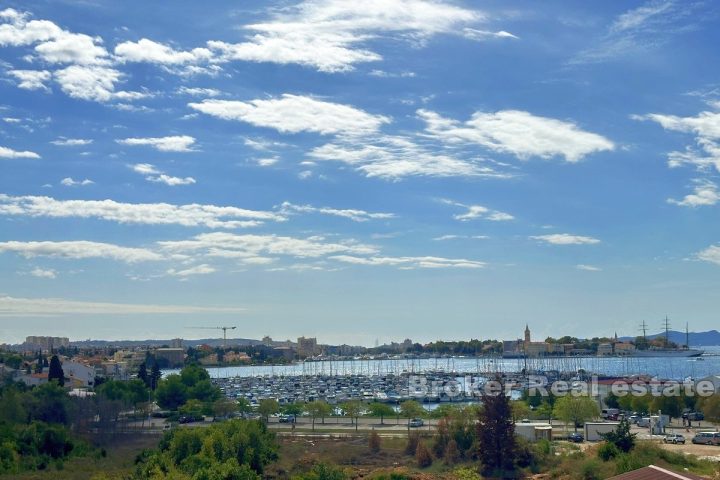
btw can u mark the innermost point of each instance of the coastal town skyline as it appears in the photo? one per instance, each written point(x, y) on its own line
point(432, 170)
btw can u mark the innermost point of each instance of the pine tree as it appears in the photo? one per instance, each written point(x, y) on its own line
point(143, 374)
point(56, 371)
point(155, 376)
point(496, 435)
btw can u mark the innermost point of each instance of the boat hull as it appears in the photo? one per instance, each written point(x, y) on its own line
point(667, 353)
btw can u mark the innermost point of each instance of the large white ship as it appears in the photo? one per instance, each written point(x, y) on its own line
point(667, 352)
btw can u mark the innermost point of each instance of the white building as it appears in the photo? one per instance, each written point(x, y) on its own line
point(78, 374)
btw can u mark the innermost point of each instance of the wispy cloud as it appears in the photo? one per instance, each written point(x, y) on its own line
point(642, 29)
point(566, 239)
point(22, 306)
point(175, 143)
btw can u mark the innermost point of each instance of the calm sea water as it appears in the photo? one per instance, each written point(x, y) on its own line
point(665, 367)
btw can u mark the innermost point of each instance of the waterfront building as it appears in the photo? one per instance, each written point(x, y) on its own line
point(175, 357)
point(307, 347)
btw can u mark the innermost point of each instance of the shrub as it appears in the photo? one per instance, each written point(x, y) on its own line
point(422, 456)
point(412, 443)
point(374, 442)
point(452, 454)
point(590, 470)
point(608, 451)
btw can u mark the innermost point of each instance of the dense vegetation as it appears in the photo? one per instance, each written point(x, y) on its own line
point(232, 450)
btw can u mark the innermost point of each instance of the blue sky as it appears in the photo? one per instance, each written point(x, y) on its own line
point(390, 169)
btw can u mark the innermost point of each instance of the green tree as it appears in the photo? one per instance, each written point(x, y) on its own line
point(171, 392)
point(352, 409)
point(411, 409)
point(612, 400)
point(49, 403)
point(193, 374)
point(267, 407)
point(621, 437)
point(143, 374)
point(497, 448)
point(155, 376)
point(381, 410)
point(56, 371)
point(520, 410)
point(232, 450)
point(318, 409)
point(710, 406)
point(12, 406)
point(323, 471)
point(294, 409)
point(576, 409)
point(243, 405)
point(223, 407)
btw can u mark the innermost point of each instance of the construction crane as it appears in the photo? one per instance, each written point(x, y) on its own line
point(224, 329)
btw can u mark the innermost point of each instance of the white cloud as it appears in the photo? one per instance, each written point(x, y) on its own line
point(705, 193)
point(228, 245)
point(80, 249)
point(145, 50)
point(176, 143)
point(353, 214)
point(267, 161)
point(10, 153)
point(706, 128)
point(199, 92)
point(566, 239)
point(94, 83)
point(38, 272)
point(443, 238)
point(475, 212)
point(32, 79)
point(152, 174)
point(294, 114)
point(518, 133)
point(54, 45)
point(262, 144)
point(410, 262)
point(203, 269)
point(333, 35)
point(710, 254)
point(18, 306)
point(191, 215)
point(71, 142)
point(475, 34)
point(588, 268)
point(394, 157)
point(69, 182)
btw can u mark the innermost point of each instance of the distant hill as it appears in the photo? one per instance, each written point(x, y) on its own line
point(697, 339)
point(213, 342)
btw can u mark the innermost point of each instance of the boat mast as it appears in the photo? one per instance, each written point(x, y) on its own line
point(687, 336)
point(666, 323)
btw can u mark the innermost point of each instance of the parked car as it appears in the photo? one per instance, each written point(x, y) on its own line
point(674, 438)
point(707, 438)
point(576, 438)
point(695, 416)
point(286, 419)
point(187, 419)
point(416, 422)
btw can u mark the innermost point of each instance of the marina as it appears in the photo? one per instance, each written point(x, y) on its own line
point(434, 381)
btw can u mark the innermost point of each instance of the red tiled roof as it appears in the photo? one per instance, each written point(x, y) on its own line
point(656, 473)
